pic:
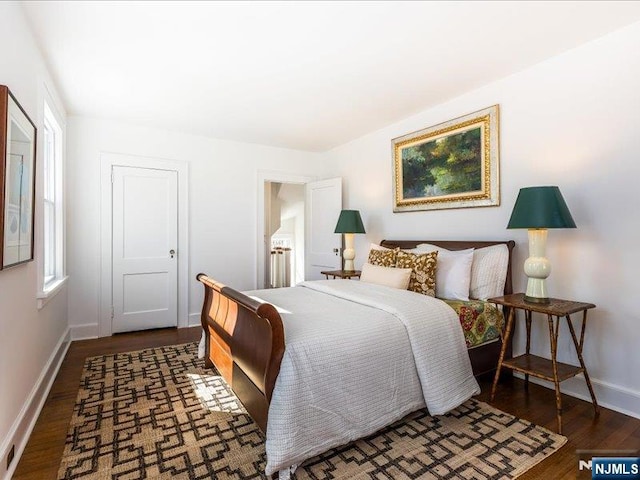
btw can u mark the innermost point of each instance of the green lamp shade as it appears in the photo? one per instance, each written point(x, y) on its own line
point(540, 207)
point(349, 222)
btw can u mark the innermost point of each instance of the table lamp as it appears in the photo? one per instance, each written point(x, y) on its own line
point(349, 223)
point(537, 209)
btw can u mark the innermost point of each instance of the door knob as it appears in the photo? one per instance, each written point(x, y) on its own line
point(172, 252)
point(336, 251)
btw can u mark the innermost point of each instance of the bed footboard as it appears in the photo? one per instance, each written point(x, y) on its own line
point(245, 342)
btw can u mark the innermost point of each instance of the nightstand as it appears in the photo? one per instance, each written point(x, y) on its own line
point(547, 369)
point(342, 274)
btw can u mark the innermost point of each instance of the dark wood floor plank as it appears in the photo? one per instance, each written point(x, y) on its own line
point(610, 430)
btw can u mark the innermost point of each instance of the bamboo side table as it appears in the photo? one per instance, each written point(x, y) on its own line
point(342, 274)
point(547, 369)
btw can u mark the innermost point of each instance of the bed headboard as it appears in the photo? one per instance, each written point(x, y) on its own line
point(458, 245)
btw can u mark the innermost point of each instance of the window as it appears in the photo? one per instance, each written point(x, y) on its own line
point(52, 197)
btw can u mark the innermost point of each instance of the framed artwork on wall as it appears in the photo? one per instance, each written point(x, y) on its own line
point(17, 181)
point(454, 164)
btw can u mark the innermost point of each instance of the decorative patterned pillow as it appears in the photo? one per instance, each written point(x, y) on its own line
point(423, 271)
point(383, 258)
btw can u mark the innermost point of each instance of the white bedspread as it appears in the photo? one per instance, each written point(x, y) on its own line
point(358, 357)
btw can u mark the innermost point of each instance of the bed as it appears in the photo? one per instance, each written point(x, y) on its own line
point(355, 341)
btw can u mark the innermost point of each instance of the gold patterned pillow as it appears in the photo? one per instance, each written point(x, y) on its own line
point(423, 271)
point(383, 258)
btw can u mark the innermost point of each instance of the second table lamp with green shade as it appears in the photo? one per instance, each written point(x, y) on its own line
point(538, 209)
point(349, 223)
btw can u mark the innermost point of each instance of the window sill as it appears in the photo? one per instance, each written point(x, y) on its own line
point(50, 291)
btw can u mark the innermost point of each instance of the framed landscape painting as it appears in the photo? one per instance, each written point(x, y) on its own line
point(451, 165)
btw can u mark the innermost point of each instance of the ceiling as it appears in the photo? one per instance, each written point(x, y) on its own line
point(303, 75)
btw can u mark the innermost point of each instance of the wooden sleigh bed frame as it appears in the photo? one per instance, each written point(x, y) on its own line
point(244, 338)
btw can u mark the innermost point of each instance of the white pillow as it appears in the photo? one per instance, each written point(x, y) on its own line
point(453, 271)
point(488, 269)
point(388, 276)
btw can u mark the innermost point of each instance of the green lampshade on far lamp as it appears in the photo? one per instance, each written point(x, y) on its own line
point(349, 222)
point(537, 209)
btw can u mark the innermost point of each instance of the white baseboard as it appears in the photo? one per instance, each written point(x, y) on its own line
point(85, 331)
point(92, 330)
point(22, 427)
point(613, 397)
point(194, 319)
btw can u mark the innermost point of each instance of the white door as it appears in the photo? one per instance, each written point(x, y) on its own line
point(145, 238)
point(323, 204)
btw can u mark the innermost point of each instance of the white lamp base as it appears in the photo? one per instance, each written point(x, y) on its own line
point(537, 267)
point(349, 252)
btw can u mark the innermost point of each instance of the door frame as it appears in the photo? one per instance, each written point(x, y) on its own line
point(270, 176)
point(107, 162)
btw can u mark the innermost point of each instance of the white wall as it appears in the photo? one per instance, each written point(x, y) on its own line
point(30, 339)
point(222, 198)
point(571, 121)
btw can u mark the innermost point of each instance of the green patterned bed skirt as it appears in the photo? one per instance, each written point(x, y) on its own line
point(481, 321)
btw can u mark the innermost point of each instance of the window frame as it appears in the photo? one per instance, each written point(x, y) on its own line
point(51, 271)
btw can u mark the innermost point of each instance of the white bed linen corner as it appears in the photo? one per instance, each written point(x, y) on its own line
point(358, 361)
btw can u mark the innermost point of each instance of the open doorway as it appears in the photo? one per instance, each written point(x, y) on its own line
point(284, 260)
point(316, 245)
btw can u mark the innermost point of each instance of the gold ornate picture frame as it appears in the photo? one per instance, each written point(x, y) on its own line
point(454, 164)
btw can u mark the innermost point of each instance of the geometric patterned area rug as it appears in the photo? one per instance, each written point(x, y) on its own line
point(158, 413)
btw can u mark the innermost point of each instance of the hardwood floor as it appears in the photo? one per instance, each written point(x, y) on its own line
point(610, 430)
point(41, 458)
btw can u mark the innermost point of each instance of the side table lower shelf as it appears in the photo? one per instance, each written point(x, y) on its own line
point(541, 367)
